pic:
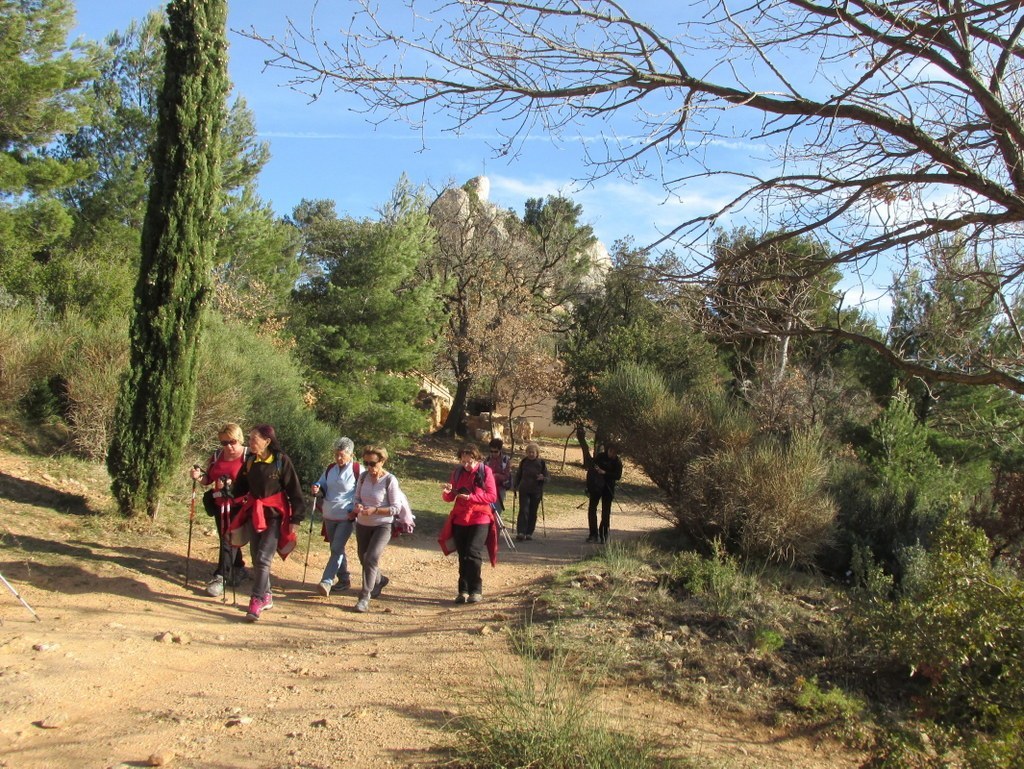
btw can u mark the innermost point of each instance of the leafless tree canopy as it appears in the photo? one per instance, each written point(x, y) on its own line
point(883, 126)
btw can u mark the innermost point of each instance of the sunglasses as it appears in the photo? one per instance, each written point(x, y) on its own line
point(370, 464)
point(228, 443)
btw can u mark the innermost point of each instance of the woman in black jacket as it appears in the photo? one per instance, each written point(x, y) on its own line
point(272, 508)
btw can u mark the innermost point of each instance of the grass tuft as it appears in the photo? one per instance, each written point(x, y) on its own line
point(542, 715)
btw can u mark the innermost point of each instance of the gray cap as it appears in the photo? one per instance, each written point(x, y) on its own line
point(344, 444)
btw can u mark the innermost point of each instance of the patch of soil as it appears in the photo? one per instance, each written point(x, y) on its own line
point(127, 667)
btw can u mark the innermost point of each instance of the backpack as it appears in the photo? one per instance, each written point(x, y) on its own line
point(404, 521)
point(356, 469)
point(479, 477)
point(506, 463)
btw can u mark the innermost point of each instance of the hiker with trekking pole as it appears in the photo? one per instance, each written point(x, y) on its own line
point(530, 476)
point(270, 494)
point(471, 529)
point(338, 485)
point(221, 471)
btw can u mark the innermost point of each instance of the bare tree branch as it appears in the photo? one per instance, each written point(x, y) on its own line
point(891, 124)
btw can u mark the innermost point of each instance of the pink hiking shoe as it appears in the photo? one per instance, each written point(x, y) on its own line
point(259, 605)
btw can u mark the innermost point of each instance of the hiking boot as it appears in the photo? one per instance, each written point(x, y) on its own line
point(521, 537)
point(215, 586)
point(256, 607)
point(324, 588)
point(363, 605)
point(381, 584)
point(527, 537)
point(462, 598)
point(268, 601)
point(343, 584)
point(238, 576)
point(475, 598)
point(592, 538)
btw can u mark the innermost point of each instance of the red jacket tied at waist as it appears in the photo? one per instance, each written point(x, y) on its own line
point(254, 509)
point(446, 539)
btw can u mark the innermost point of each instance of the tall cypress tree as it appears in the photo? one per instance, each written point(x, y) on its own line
point(179, 237)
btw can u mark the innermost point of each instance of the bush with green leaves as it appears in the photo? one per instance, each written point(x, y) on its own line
point(899, 492)
point(957, 621)
point(69, 367)
point(251, 378)
point(717, 581)
point(31, 350)
point(763, 496)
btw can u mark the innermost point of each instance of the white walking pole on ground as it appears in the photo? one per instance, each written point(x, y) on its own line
point(23, 602)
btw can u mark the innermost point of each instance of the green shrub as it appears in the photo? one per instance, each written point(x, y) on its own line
point(250, 378)
point(787, 516)
point(768, 641)
point(833, 703)
point(717, 582)
point(30, 355)
point(97, 359)
point(957, 621)
point(765, 499)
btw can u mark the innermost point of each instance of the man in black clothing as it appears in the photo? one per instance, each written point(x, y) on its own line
point(605, 470)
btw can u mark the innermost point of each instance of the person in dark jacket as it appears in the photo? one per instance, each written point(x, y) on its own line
point(605, 469)
point(529, 483)
point(271, 508)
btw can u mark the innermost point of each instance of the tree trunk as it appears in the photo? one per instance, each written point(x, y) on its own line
point(455, 424)
point(179, 236)
point(581, 438)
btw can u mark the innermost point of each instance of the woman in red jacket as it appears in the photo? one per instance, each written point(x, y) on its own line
point(471, 521)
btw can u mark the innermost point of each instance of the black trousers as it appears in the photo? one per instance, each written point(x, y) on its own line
point(605, 497)
point(471, 545)
point(226, 552)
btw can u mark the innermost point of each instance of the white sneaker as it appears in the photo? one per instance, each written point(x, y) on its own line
point(215, 586)
point(324, 588)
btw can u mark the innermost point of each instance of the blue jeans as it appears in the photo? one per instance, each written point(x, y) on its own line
point(338, 533)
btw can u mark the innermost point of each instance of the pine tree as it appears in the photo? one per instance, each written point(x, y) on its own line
point(179, 237)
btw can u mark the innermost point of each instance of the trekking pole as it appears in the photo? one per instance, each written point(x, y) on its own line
point(543, 517)
point(309, 538)
point(225, 516)
point(191, 520)
point(15, 594)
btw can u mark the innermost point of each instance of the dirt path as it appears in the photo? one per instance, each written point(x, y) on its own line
point(313, 684)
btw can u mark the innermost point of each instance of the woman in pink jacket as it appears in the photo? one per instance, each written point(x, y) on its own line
point(471, 521)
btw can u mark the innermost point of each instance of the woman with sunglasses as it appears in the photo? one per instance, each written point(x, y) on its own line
point(377, 503)
point(222, 471)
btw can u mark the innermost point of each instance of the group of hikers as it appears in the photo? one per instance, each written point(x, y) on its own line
point(256, 498)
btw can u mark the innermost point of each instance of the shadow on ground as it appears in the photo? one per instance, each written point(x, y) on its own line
point(26, 492)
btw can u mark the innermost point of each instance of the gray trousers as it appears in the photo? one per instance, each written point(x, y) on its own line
point(262, 549)
point(370, 544)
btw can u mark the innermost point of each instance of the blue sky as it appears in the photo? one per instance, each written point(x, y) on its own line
point(327, 149)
